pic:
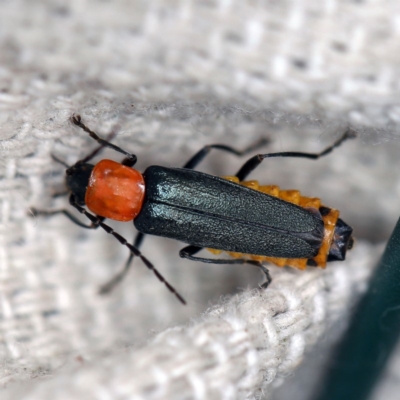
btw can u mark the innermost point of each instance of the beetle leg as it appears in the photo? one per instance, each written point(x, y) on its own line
point(69, 216)
point(189, 251)
point(256, 160)
point(76, 119)
point(109, 286)
point(267, 275)
point(201, 154)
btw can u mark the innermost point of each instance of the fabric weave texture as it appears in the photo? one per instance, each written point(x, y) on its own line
point(170, 77)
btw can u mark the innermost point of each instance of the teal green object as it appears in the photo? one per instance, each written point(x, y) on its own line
point(361, 356)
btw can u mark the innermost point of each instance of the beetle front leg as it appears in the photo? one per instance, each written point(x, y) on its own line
point(68, 215)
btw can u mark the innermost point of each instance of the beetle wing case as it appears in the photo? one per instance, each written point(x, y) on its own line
point(207, 211)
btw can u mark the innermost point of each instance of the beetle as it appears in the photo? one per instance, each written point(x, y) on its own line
point(253, 223)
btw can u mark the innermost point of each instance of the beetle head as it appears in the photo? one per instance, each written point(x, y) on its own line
point(78, 179)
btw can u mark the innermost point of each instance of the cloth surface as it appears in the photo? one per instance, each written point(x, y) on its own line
point(170, 77)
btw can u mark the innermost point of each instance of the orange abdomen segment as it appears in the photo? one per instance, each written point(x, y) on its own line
point(295, 197)
point(115, 191)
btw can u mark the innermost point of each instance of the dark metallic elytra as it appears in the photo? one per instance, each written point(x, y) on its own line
point(265, 225)
point(254, 224)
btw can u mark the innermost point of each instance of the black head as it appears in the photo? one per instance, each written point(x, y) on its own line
point(342, 241)
point(78, 179)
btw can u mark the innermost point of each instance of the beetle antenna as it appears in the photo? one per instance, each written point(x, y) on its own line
point(56, 159)
point(95, 220)
point(77, 120)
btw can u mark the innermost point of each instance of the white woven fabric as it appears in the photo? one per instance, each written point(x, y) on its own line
point(170, 77)
point(235, 350)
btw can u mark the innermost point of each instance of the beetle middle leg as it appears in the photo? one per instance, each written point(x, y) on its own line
point(189, 251)
point(109, 286)
point(256, 160)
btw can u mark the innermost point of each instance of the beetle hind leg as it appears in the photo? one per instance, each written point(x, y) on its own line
point(256, 160)
point(267, 275)
point(190, 251)
point(201, 154)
